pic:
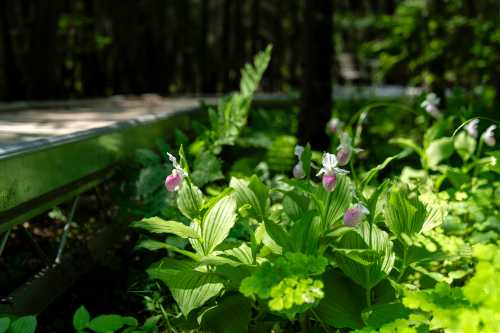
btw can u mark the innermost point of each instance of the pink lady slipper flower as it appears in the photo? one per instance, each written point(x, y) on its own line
point(174, 180)
point(430, 105)
point(471, 128)
point(329, 172)
point(345, 149)
point(334, 125)
point(489, 136)
point(298, 169)
point(354, 215)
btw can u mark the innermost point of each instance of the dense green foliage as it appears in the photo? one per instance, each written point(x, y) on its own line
point(368, 253)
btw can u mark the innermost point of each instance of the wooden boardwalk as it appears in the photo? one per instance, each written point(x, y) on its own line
point(24, 125)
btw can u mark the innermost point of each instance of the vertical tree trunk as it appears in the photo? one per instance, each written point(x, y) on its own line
point(255, 26)
point(203, 48)
point(316, 99)
point(226, 50)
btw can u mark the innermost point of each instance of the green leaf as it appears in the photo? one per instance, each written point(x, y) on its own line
point(438, 151)
point(242, 253)
point(253, 193)
point(150, 179)
point(159, 226)
point(81, 318)
point(343, 302)
point(207, 168)
point(261, 194)
point(190, 289)
point(182, 159)
point(465, 145)
point(380, 265)
point(407, 143)
point(295, 205)
point(223, 317)
point(25, 324)
point(404, 215)
point(278, 234)
point(305, 233)
point(4, 324)
point(152, 245)
point(106, 323)
point(147, 157)
point(336, 202)
point(252, 74)
point(380, 314)
point(217, 223)
point(375, 170)
point(189, 200)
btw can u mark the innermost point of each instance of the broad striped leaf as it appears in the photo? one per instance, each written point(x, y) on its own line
point(380, 259)
point(242, 253)
point(189, 200)
point(404, 215)
point(253, 193)
point(191, 289)
point(335, 202)
point(152, 245)
point(217, 223)
point(160, 226)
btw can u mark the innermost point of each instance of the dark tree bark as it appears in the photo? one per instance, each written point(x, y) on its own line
point(205, 86)
point(43, 57)
point(316, 101)
point(226, 49)
point(255, 26)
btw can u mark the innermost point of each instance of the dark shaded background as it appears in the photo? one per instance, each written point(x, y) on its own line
point(52, 49)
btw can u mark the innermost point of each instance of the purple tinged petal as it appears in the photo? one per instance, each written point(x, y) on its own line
point(344, 155)
point(173, 181)
point(298, 171)
point(329, 182)
point(354, 215)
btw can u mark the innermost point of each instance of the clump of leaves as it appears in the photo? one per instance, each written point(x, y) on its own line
point(286, 282)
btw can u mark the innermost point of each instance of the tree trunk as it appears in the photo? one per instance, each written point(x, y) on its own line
point(316, 101)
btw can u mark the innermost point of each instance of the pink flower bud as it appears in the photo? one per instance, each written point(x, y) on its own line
point(333, 126)
point(174, 181)
point(354, 215)
point(329, 182)
point(344, 155)
point(298, 171)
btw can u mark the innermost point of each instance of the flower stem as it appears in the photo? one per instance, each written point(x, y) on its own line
point(368, 296)
point(478, 154)
point(405, 258)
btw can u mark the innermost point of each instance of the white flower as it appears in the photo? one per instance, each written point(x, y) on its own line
point(330, 166)
point(430, 104)
point(173, 181)
point(334, 125)
point(298, 169)
point(176, 165)
point(471, 127)
point(489, 136)
point(298, 151)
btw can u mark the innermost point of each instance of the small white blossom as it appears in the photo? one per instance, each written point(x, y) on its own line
point(329, 166)
point(489, 136)
point(471, 128)
point(430, 104)
point(298, 151)
point(174, 180)
point(334, 125)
